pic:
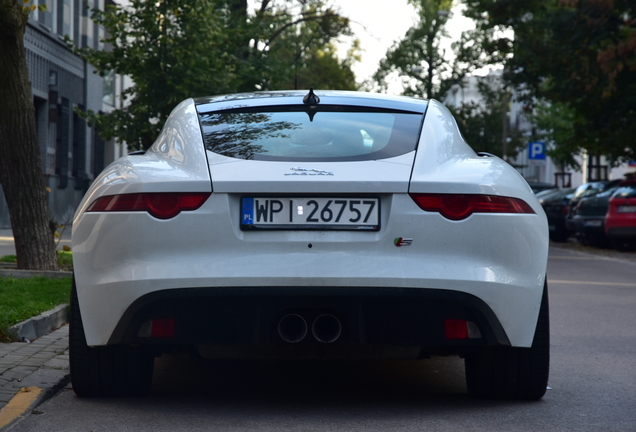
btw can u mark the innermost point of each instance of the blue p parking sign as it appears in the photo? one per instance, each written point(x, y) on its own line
point(536, 150)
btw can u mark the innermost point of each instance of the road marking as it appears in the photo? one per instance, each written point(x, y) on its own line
point(18, 405)
point(565, 282)
point(578, 257)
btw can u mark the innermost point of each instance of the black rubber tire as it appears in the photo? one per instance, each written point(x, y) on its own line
point(560, 236)
point(112, 370)
point(513, 373)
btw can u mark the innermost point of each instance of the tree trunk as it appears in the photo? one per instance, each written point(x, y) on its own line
point(21, 174)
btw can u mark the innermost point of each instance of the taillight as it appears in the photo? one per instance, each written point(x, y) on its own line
point(160, 205)
point(565, 209)
point(460, 206)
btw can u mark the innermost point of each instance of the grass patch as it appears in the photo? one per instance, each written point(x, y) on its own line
point(64, 259)
point(9, 259)
point(23, 298)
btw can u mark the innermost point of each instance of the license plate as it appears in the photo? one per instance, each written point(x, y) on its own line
point(310, 213)
point(626, 209)
point(593, 223)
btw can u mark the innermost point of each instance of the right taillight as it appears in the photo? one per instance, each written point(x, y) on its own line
point(460, 206)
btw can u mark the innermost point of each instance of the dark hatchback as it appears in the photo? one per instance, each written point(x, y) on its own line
point(556, 207)
point(586, 191)
point(588, 218)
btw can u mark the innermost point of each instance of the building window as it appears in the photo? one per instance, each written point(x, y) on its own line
point(46, 18)
point(64, 17)
point(98, 154)
point(63, 138)
point(87, 25)
point(79, 150)
point(110, 85)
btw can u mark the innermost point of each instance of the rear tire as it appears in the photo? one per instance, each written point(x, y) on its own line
point(112, 370)
point(560, 236)
point(510, 372)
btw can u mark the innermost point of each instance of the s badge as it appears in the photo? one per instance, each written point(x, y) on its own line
point(402, 241)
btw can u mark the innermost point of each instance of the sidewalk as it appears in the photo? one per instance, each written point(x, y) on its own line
point(41, 364)
point(40, 367)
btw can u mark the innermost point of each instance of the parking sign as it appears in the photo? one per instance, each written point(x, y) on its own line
point(536, 151)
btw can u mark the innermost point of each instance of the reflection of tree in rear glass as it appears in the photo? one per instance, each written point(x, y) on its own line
point(234, 134)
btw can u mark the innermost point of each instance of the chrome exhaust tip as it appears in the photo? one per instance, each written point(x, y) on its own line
point(292, 328)
point(326, 328)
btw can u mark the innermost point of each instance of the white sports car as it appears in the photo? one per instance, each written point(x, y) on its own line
point(296, 225)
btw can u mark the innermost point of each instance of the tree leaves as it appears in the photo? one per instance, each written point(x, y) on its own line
point(175, 49)
point(580, 56)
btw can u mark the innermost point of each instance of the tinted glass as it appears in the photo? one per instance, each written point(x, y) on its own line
point(626, 192)
point(589, 189)
point(312, 135)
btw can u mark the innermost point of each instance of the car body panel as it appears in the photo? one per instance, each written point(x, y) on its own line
point(175, 163)
point(120, 257)
point(621, 215)
point(249, 176)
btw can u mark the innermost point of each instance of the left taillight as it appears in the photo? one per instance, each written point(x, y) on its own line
point(160, 205)
point(460, 206)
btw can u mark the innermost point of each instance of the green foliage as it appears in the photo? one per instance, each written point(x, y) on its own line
point(481, 123)
point(305, 56)
point(419, 59)
point(175, 49)
point(171, 49)
point(9, 259)
point(24, 298)
point(556, 124)
point(578, 55)
point(65, 260)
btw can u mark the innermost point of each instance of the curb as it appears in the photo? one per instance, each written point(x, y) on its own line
point(40, 325)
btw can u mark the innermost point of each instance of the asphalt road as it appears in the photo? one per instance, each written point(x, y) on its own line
point(7, 245)
point(592, 381)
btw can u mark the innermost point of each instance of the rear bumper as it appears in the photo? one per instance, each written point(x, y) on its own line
point(589, 224)
point(622, 232)
point(231, 319)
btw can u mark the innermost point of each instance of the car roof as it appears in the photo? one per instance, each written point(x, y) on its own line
point(295, 97)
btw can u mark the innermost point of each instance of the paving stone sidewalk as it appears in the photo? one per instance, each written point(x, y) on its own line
point(42, 363)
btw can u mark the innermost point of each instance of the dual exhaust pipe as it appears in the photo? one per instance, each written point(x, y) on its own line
point(293, 328)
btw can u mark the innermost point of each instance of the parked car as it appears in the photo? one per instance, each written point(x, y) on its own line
point(588, 218)
point(541, 186)
point(620, 224)
point(556, 207)
point(586, 190)
point(322, 225)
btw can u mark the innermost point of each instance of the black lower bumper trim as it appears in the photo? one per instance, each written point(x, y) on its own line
point(374, 316)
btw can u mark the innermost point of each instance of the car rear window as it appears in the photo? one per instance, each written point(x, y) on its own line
point(627, 191)
point(301, 134)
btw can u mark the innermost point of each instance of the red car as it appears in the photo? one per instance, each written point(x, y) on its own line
point(620, 222)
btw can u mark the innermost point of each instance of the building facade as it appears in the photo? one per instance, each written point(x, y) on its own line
point(61, 84)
